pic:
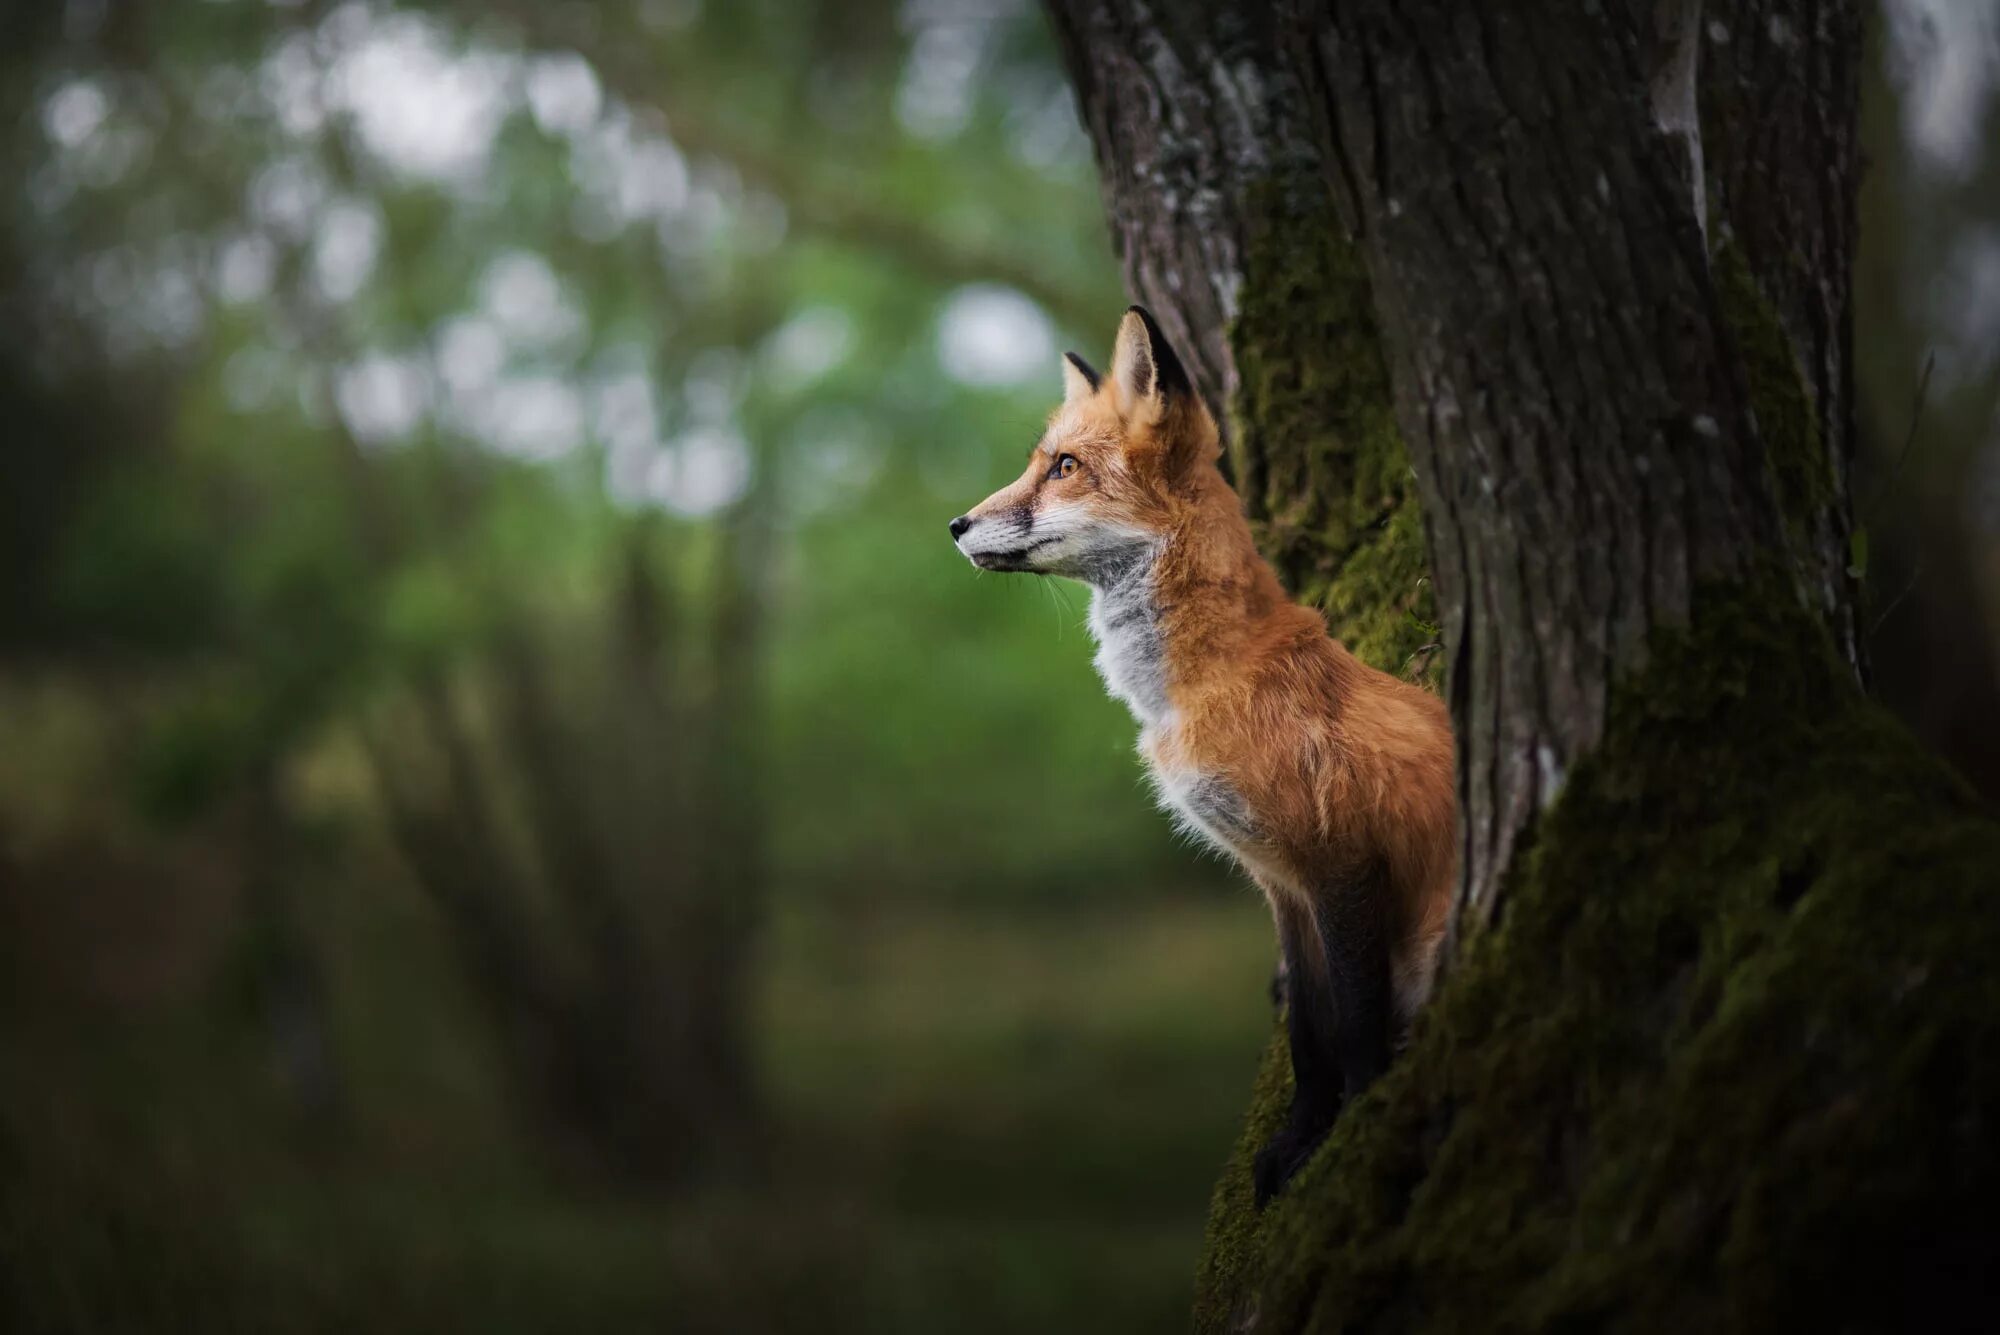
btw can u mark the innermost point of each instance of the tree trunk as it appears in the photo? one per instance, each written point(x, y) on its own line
point(1718, 920)
point(614, 956)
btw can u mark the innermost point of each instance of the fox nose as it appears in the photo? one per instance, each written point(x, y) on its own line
point(959, 525)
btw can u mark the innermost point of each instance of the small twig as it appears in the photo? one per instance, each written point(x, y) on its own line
point(1916, 573)
point(1420, 658)
point(1885, 488)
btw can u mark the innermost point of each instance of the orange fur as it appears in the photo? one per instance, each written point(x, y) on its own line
point(1341, 767)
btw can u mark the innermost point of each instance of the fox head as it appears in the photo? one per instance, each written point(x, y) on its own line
point(1109, 478)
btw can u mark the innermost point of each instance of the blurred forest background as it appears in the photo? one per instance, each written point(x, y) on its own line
point(512, 814)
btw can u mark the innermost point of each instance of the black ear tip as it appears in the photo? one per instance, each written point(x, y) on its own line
point(1153, 330)
point(1083, 368)
point(1172, 375)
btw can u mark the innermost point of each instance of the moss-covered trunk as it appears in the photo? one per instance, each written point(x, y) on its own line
point(1730, 1059)
point(1717, 1042)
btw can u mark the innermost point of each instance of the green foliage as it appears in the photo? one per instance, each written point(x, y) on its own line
point(1726, 1060)
point(299, 572)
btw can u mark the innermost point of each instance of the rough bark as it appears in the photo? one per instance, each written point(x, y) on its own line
point(1719, 919)
point(1562, 369)
point(1778, 84)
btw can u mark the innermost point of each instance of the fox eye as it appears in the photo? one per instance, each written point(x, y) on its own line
point(1064, 466)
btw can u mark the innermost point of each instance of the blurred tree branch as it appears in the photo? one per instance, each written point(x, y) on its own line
point(816, 200)
point(847, 215)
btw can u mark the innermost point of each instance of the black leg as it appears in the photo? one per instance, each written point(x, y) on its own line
point(1336, 971)
point(1310, 1026)
point(1351, 932)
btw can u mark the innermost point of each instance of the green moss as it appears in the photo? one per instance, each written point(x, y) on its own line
point(1730, 1059)
point(1313, 439)
point(1232, 1248)
point(1800, 469)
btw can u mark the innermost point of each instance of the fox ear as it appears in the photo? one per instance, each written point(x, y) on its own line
point(1080, 380)
point(1144, 367)
point(1150, 380)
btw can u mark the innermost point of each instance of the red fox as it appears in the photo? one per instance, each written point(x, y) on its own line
point(1329, 782)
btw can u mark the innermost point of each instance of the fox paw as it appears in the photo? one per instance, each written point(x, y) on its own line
point(1282, 1157)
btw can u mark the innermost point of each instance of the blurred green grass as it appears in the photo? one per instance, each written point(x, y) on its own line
point(980, 1121)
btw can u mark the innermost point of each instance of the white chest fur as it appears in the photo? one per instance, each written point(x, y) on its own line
point(1131, 657)
point(1207, 808)
point(1125, 619)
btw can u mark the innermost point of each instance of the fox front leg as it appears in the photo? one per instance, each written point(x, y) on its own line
point(1336, 971)
point(1311, 1026)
